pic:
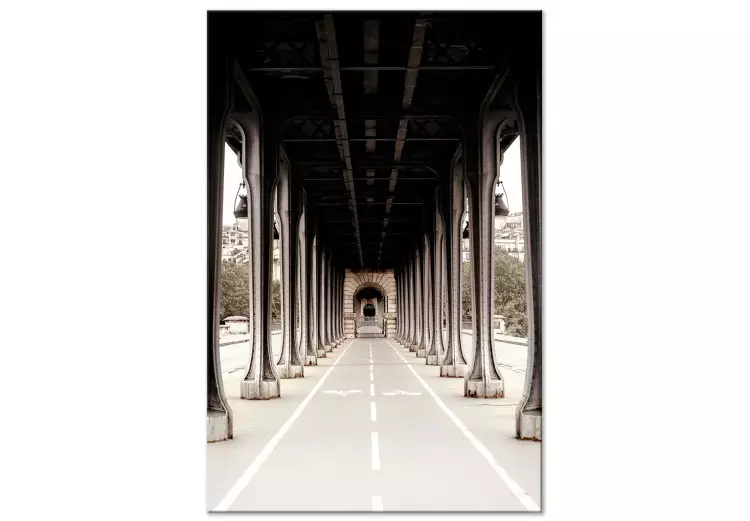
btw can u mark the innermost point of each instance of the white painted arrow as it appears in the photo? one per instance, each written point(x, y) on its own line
point(344, 393)
point(400, 392)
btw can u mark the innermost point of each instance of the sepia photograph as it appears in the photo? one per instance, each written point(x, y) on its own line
point(280, 260)
point(374, 261)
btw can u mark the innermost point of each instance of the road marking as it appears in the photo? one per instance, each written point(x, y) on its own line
point(344, 393)
point(402, 393)
point(377, 503)
point(250, 471)
point(514, 487)
point(373, 416)
point(372, 389)
point(372, 376)
point(375, 451)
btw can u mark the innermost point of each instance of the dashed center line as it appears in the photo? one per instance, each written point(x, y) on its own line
point(375, 451)
point(373, 415)
point(372, 389)
point(377, 503)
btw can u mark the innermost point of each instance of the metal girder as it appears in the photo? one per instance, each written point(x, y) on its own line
point(410, 83)
point(376, 68)
point(371, 37)
point(387, 204)
point(367, 139)
point(332, 76)
point(370, 179)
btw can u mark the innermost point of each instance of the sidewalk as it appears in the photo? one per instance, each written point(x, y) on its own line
point(228, 340)
point(506, 338)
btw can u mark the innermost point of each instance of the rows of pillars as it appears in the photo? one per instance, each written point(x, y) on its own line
point(434, 260)
point(312, 283)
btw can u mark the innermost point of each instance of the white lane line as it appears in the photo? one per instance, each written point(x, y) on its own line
point(375, 451)
point(373, 416)
point(372, 389)
point(248, 474)
point(372, 376)
point(377, 503)
point(514, 487)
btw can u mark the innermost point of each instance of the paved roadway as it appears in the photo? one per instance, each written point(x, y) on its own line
point(234, 357)
point(374, 428)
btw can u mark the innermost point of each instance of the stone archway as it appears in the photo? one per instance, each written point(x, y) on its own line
point(369, 309)
point(374, 287)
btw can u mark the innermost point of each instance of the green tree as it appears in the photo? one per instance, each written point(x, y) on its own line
point(275, 301)
point(510, 292)
point(235, 290)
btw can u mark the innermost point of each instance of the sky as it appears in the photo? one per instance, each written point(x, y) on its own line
point(510, 175)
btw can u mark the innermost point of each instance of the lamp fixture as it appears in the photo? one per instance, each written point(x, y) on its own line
point(501, 208)
point(240, 209)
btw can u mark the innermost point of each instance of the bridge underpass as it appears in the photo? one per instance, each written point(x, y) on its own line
point(364, 135)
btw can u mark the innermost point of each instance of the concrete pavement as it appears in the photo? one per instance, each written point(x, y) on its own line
point(234, 351)
point(374, 428)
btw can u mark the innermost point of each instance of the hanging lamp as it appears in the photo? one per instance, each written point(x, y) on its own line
point(240, 209)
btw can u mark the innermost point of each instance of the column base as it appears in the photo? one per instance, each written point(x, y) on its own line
point(321, 353)
point(432, 359)
point(311, 360)
point(453, 371)
point(217, 426)
point(478, 389)
point(328, 348)
point(288, 372)
point(421, 352)
point(263, 390)
point(411, 347)
point(529, 425)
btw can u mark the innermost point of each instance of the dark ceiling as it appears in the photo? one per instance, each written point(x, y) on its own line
point(375, 97)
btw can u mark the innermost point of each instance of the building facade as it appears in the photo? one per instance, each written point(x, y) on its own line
point(508, 236)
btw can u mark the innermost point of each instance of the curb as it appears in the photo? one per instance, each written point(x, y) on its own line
point(246, 340)
point(515, 342)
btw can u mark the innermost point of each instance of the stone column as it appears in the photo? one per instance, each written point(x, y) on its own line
point(528, 106)
point(261, 381)
point(329, 301)
point(426, 294)
point(436, 349)
point(218, 412)
point(339, 305)
point(335, 305)
point(483, 379)
point(318, 290)
point(453, 363)
point(289, 364)
point(399, 311)
point(413, 325)
point(419, 343)
point(310, 284)
point(340, 301)
point(306, 352)
point(323, 344)
point(409, 294)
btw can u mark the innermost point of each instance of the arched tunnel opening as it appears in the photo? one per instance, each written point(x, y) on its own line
point(369, 304)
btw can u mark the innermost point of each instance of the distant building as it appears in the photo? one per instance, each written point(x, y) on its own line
point(508, 236)
point(235, 248)
point(237, 325)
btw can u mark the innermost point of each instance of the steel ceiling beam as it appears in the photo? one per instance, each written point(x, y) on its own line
point(410, 83)
point(366, 139)
point(370, 180)
point(329, 58)
point(367, 67)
